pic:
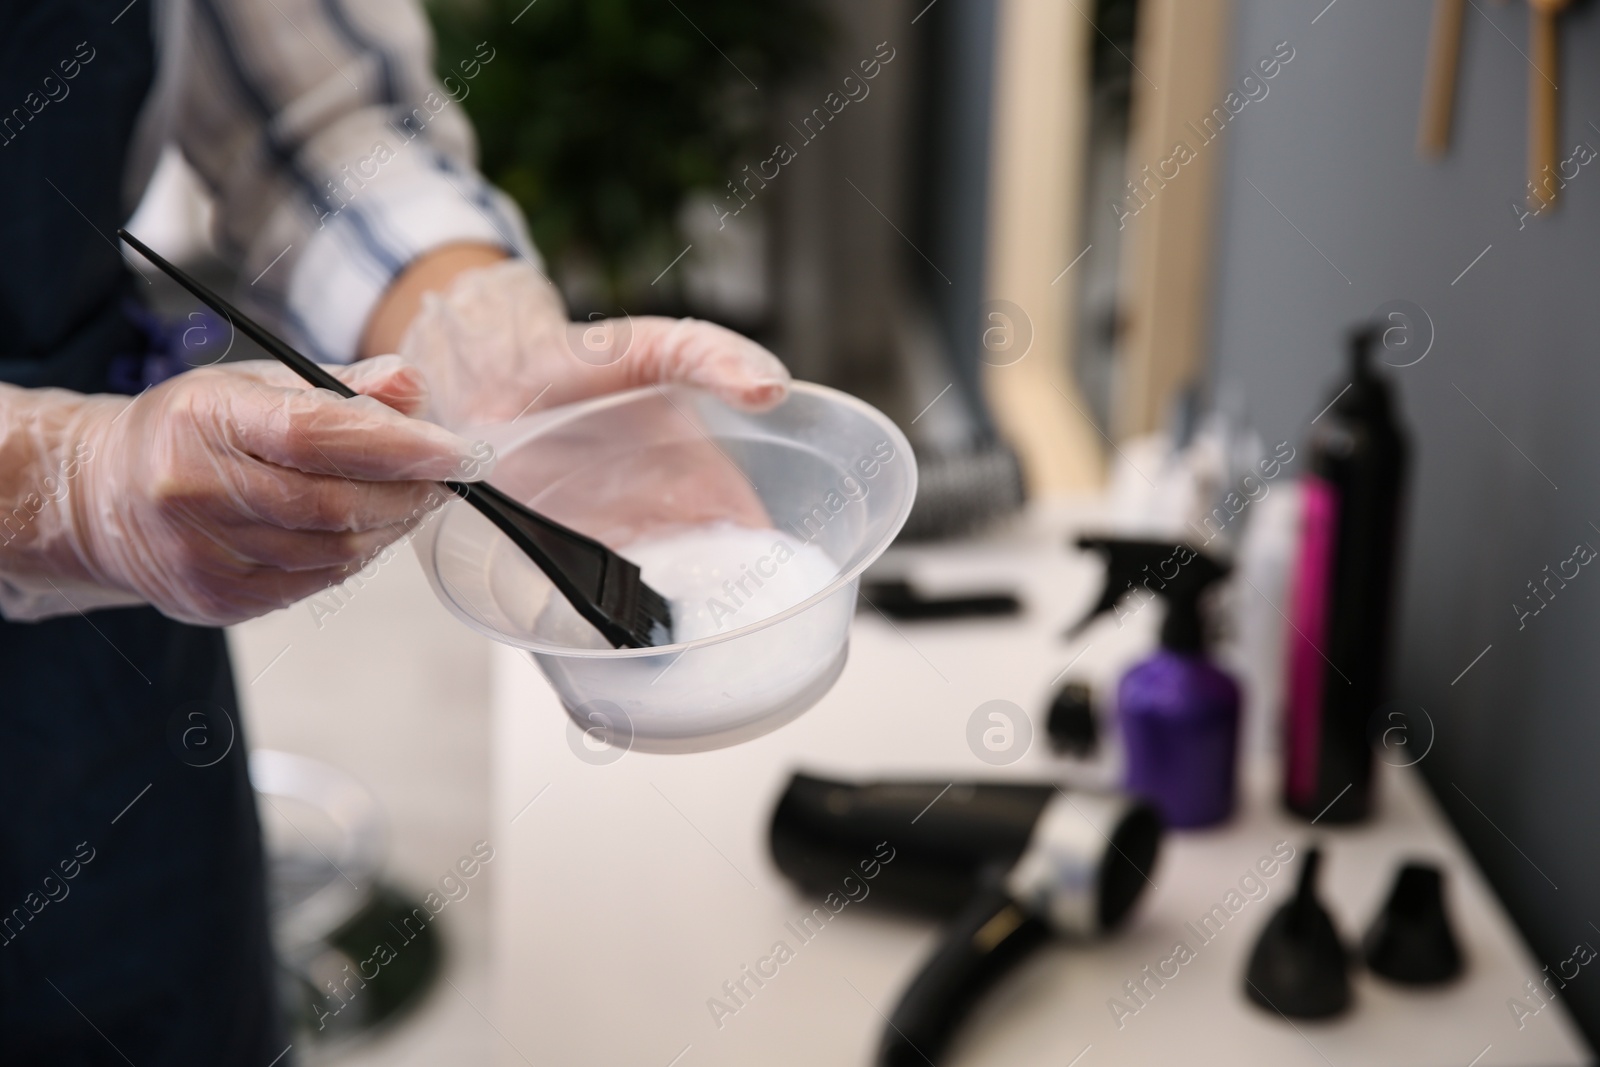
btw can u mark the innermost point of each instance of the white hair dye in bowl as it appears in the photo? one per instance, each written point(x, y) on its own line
point(755, 526)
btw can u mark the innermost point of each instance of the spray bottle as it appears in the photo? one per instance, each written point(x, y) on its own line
point(1177, 710)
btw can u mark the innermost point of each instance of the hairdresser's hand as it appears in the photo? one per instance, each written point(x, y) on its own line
point(496, 343)
point(224, 493)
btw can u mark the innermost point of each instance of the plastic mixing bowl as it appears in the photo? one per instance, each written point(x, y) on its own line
point(822, 469)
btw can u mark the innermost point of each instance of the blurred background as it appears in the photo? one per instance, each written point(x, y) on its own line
point(974, 214)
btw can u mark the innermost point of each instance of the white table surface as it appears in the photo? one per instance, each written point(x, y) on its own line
point(626, 894)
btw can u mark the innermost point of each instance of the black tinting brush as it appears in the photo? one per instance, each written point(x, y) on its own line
point(606, 589)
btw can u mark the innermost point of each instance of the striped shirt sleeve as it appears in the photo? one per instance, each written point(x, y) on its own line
point(335, 154)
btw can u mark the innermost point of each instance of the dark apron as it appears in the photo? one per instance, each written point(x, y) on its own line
point(133, 921)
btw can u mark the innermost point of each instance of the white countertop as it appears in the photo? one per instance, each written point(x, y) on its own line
point(626, 894)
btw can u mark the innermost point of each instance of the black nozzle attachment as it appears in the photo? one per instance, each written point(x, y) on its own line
point(1299, 968)
point(1175, 572)
point(1411, 941)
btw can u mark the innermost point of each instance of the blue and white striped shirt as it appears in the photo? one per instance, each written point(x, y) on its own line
point(334, 152)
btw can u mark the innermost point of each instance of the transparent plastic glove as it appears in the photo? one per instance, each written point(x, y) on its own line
point(217, 496)
point(498, 344)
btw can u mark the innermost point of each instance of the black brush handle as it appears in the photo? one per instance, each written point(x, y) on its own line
point(241, 322)
point(991, 935)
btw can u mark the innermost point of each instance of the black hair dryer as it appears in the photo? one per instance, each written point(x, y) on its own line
point(1008, 864)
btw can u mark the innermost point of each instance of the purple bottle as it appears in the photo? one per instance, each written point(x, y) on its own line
point(1178, 711)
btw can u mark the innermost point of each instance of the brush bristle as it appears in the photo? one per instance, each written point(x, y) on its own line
point(642, 611)
point(654, 616)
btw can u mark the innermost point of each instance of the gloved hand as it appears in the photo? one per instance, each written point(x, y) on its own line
point(217, 496)
point(499, 344)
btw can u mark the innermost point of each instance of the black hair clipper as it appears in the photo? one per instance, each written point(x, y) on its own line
point(1007, 864)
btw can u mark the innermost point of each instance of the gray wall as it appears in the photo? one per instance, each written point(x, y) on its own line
point(1332, 146)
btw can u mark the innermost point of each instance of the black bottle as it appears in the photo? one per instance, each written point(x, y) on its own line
point(1343, 592)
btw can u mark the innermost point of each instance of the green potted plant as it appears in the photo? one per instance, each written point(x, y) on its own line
point(600, 116)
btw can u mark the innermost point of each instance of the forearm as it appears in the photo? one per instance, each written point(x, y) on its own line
point(47, 443)
point(431, 272)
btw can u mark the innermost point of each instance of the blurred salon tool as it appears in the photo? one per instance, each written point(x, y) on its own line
point(1299, 968)
point(1008, 864)
point(1439, 85)
point(1544, 114)
point(1410, 941)
point(1071, 723)
point(960, 492)
point(604, 588)
point(899, 599)
point(330, 904)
